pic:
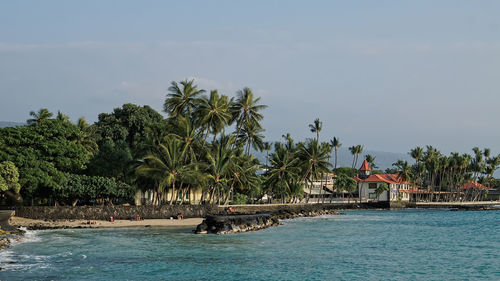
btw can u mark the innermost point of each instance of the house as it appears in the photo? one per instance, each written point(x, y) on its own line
point(367, 184)
point(473, 191)
point(321, 187)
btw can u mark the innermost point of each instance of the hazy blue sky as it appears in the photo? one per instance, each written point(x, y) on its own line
point(387, 74)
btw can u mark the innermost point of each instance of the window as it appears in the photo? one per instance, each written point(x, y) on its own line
point(372, 195)
point(372, 185)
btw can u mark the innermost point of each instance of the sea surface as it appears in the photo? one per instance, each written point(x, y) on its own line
point(360, 245)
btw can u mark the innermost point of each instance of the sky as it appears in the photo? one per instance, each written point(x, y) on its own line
point(390, 75)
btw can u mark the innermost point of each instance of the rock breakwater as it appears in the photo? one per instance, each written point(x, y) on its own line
point(225, 224)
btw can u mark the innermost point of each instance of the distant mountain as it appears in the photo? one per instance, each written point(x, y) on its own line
point(4, 124)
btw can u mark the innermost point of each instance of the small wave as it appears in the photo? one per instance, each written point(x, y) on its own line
point(31, 236)
point(84, 256)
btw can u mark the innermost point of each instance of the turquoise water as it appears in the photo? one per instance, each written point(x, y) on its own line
point(362, 245)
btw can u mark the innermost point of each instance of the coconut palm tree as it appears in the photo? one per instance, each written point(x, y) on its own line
point(316, 128)
point(380, 189)
point(335, 143)
point(40, 116)
point(283, 169)
point(189, 134)
point(355, 151)
point(314, 161)
point(86, 136)
point(417, 153)
point(251, 136)
point(164, 165)
point(243, 173)
point(182, 98)
point(267, 148)
point(246, 110)
point(220, 159)
point(371, 160)
point(403, 170)
point(213, 113)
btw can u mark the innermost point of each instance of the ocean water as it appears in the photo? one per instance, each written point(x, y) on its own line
point(360, 245)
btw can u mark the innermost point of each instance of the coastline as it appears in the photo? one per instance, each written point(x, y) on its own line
point(33, 224)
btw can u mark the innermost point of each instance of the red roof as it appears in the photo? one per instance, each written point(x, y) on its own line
point(365, 166)
point(388, 178)
point(474, 185)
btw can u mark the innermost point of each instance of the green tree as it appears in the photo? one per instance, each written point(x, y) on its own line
point(313, 161)
point(371, 161)
point(380, 189)
point(246, 111)
point(283, 171)
point(355, 151)
point(182, 99)
point(335, 143)
point(316, 127)
point(346, 183)
point(165, 165)
point(40, 116)
point(43, 153)
point(213, 113)
point(9, 179)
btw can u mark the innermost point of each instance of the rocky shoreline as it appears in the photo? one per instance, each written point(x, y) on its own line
point(7, 236)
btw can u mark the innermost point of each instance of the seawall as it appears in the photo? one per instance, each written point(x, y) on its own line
point(117, 212)
point(276, 209)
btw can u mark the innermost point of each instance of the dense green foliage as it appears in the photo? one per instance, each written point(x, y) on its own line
point(88, 189)
point(9, 177)
point(437, 172)
point(43, 153)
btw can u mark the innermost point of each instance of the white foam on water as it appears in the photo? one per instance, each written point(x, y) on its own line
point(10, 261)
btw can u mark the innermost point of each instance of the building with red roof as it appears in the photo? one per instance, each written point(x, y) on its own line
point(473, 185)
point(368, 184)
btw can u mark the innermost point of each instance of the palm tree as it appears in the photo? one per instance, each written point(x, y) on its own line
point(246, 110)
point(182, 98)
point(403, 170)
point(164, 165)
point(86, 136)
point(40, 116)
point(220, 161)
point(316, 128)
point(417, 153)
point(244, 174)
point(371, 160)
point(213, 113)
point(355, 151)
point(283, 169)
point(267, 148)
point(252, 136)
point(380, 189)
point(314, 162)
point(186, 131)
point(335, 143)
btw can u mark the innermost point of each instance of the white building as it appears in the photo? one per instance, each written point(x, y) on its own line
point(367, 184)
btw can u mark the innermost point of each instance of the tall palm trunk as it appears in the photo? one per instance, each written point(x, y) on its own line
point(335, 157)
point(173, 193)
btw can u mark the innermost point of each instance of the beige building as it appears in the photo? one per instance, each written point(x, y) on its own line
point(367, 184)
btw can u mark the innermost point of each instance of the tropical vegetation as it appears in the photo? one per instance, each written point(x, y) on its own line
point(207, 145)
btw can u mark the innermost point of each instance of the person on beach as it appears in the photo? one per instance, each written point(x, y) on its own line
point(180, 216)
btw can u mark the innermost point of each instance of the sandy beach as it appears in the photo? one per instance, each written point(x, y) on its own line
point(41, 224)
